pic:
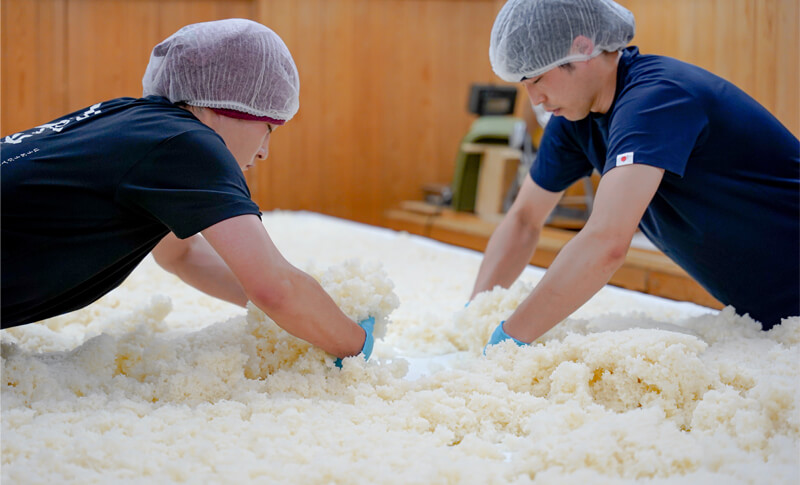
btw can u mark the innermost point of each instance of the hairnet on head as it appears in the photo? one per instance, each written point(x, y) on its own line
point(530, 37)
point(233, 64)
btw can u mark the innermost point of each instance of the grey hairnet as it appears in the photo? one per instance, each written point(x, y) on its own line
point(234, 64)
point(530, 37)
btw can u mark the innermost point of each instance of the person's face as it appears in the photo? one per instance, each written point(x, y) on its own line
point(567, 92)
point(247, 140)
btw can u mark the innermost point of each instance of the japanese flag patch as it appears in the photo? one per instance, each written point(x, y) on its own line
point(624, 159)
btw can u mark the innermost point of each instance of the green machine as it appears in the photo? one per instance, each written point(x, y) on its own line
point(489, 129)
point(496, 126)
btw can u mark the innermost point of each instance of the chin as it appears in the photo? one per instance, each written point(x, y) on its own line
point(576, 117)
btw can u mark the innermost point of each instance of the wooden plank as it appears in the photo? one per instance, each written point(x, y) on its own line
point(98, 32)
point(752, 43)
point(384, 86)
point(783, 46)
point(384, 83)
point(643, 270)
point(19, 101)
point(420, 207)
point(680, 288)
point(456, 238)
point(33, 63)
point(766, 33)
point(632, 278)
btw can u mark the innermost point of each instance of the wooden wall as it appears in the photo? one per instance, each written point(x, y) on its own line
point(384, 83)
point(62, 55)
point(753, 43)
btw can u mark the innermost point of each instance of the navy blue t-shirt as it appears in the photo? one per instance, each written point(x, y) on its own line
point(728, 207)
point(86, 197)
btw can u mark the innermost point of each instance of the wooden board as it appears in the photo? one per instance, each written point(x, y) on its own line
point(644, 270)
point(384, 83)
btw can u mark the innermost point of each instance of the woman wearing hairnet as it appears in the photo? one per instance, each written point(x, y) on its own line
point(709, 175)
point(86, 197)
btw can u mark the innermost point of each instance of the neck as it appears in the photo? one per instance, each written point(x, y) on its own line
point(206, 116)
point(609, 62)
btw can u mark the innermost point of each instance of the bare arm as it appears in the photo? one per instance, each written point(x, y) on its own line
point(293, 299)
point(589, 260)
point(513, 242)
point(195, 262)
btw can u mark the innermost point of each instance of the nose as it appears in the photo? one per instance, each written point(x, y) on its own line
point(263, 151)
point(534, 94)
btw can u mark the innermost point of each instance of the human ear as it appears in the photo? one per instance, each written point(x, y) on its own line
point(582, 45)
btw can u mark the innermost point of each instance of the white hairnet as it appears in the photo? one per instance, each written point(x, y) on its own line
point(233, 64)
point(530, 37)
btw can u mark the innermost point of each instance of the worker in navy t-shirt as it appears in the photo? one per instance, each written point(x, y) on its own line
point(86, 197)
point(706, 173)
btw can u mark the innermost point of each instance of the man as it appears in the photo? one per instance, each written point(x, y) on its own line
point(87, 197)
point(710, 177)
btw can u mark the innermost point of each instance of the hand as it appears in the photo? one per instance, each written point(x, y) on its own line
point(368, 324)
point(500, 335)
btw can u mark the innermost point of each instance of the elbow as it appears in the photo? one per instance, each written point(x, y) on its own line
point(523, 226)
point(172, 253)
point(524, 219)
point(615, 255)
point(273, 296)
point(168, 264)
point(612, 249)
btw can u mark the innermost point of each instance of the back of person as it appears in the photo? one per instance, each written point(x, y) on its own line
point(728, 207)
point(86, 197)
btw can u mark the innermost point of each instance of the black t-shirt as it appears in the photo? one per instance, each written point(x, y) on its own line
point(85, 198)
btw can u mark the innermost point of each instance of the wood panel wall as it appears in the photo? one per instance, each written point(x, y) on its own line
point(61, 55)
point(753, 43)
point(384, 83)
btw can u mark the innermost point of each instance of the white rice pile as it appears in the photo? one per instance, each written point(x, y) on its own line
point(157, 383)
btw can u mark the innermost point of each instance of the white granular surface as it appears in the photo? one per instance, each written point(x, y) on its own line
point(158, 383)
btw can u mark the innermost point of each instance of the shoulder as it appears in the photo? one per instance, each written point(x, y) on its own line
point(169, 127)
point(160, 116)
point(192, 154)
point(657, 87)
point(646, 76)
point(637, 66)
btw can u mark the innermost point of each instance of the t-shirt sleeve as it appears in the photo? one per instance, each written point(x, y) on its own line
point(657, 124)
point(188, 182)
point(560, 160)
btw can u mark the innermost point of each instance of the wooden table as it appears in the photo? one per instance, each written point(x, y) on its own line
point(644, 270)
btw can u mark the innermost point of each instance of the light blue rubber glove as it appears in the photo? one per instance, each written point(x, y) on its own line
point(500, 335)
point(368, 324)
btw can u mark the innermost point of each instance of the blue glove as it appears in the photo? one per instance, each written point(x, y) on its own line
point(500, 335)
point(368, 324)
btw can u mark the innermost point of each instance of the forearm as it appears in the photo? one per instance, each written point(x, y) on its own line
point(579, 271)
point(509, 250)
point(299, 305)
point(292, 298)
point(195, 262)
point(209, 274)
point(589, 260)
